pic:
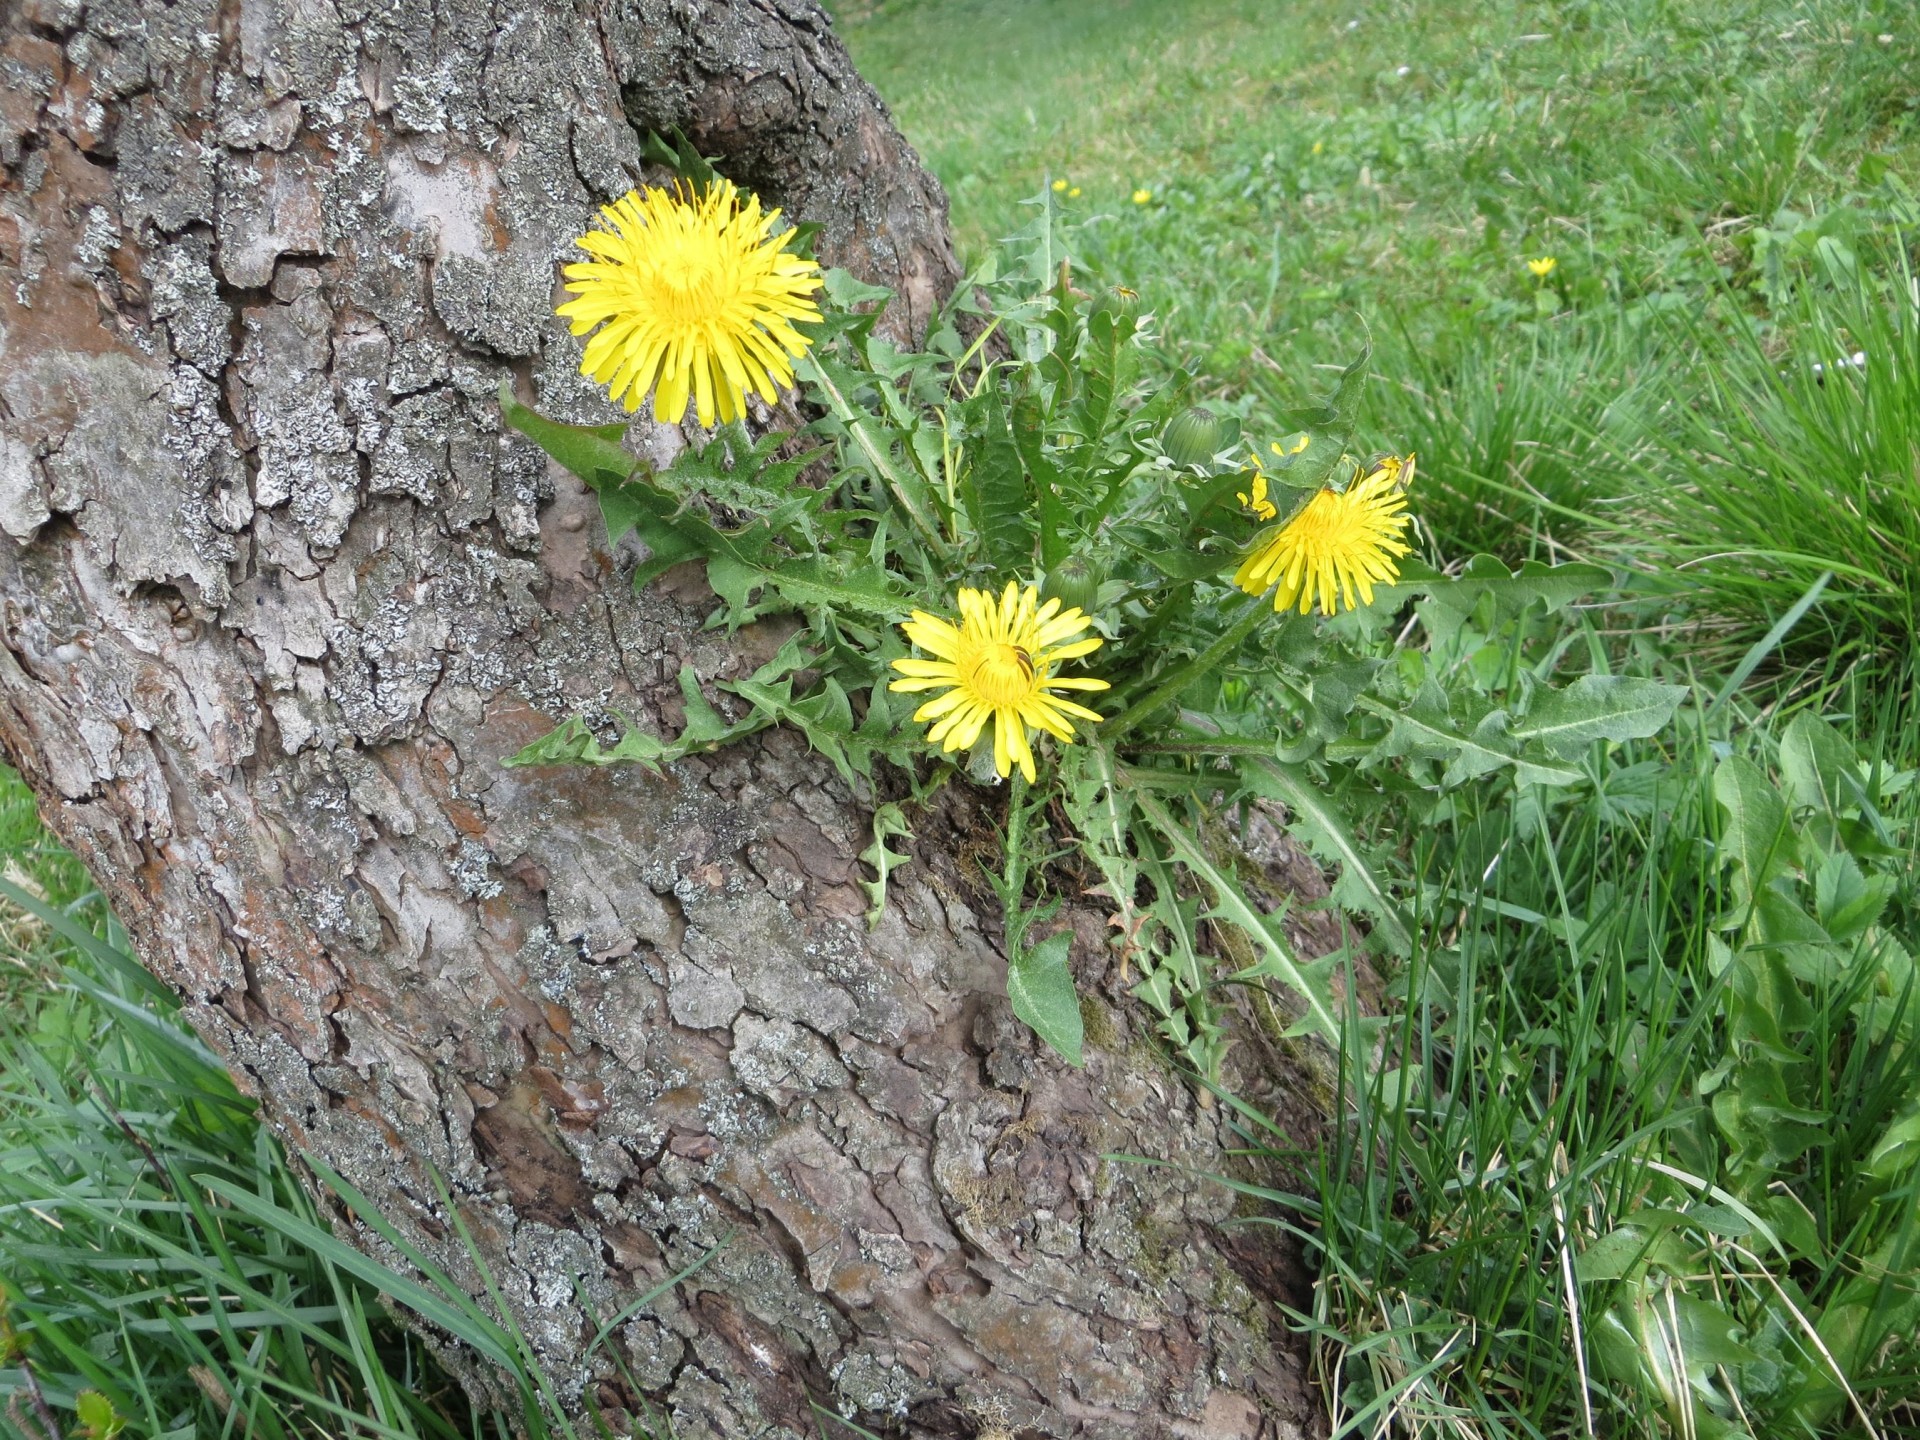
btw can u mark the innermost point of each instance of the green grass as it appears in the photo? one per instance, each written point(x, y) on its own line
point(1695, 168)
point(1616, 1102)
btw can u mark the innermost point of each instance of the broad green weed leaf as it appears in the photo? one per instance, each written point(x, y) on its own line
point(1101, 813)
point(98, 1419)
point(1426, 729)
point(1598, 707)
point(1617, 1254)
point(1819, 769)
point(1041, 988)
point(1338, 410)
point(1030, 439)
point(1484, 577)
point(1109, 362)
point(590, 451)
point(847, 291)
point(993, 490)
point(1306, 469)
point(1756, 839)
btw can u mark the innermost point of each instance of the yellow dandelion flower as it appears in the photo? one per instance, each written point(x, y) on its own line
point(1257, 502)
point(1340, 543)
point(997, 664)
point(1319, 146)
point(1542, 267)
point(1074, 193)
point(1058, 186)
point(696, 299)
point(1142, 196)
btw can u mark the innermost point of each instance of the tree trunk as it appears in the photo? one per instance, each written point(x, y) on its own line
point(279, 596)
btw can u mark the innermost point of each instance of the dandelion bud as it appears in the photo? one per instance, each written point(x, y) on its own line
point(1121, 303)
point(1074, 582)
point(1192, 437)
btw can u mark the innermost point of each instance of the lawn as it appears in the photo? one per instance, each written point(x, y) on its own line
point(1648, 1160)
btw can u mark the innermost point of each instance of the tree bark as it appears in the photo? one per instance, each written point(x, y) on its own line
point(278, 596)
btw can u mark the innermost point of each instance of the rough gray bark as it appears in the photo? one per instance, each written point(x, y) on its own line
point(278, 595)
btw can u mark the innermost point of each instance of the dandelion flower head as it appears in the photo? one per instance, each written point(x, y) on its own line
point(1256, 500)
point(1142, 196)
point(1059, 185)
point(1339, 544)
point(997, 663)
point(1542, 267)
point(695, 297)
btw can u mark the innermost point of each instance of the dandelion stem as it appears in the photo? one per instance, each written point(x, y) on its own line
point(874, 454)
point(1184, 675)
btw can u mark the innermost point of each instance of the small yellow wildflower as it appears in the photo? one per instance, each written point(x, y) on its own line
point(1542, 267)
point(1319, 146)
point(1257, 502)
point(1142, 196)
point(696, 299)
point(1074, 193)
point(1340, 543)
point(1058, 186)
point(997, 664)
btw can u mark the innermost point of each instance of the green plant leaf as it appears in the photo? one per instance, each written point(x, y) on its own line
point(1756, 838)
point(1109, 362)
point(590, 451)
point(573, 743)
point(1486, 577)
point(1619, 1253)
point(98, 1419)
point(993, 489)
point(679, 156)
point(1846, 900)
point(1231, 903)
point(452, 1310)
point(1598, 707)
point(1425, 729)
point(1100, 813)
point(1328, 836)
point(1819, 769)
point(1029, 438)
point(1042, 991)
point(887, 823)
point(1338, 410)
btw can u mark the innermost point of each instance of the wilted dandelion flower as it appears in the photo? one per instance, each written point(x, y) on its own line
point(1542, 267)
point(997, 664)
point(698, 300)
point(1339, 543)
point(1142, 196)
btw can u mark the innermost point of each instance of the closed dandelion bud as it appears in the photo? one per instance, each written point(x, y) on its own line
point(1074, 582)
point(1192, 437)
point(1121, 303)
